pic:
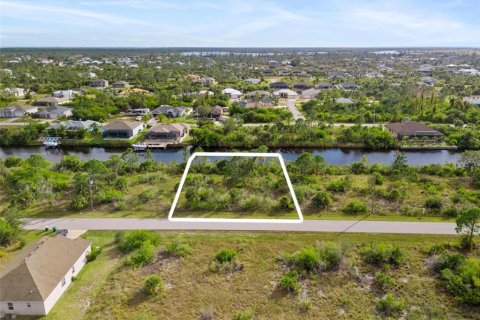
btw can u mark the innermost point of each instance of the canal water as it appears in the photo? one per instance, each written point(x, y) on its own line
point(336, 156)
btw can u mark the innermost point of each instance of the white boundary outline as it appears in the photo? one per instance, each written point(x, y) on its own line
point(236, 154)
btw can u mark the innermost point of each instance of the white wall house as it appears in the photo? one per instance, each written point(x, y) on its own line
point(33, 281)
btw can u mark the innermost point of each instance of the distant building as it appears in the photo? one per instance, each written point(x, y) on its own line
point(99, 83)
point(310, 93)
point(38, 276)
point(138, 112)
point(120, 85)
point(73, 125)
point(207, 81)
point(428, 81)
point(65, 94)
point(412, 129)
point(16, 92)
point(257, 93)
point(349, 86)
point(301, 86)
point(285, 94)
point(345, 101)
point(17, 111)
point(167, 132)
point(474, 100)
point(278, 85)
point(325, 86)
point(55, 112)
point(172, 112)
point(49, 101)
point(251, 81)
point(233, 93)
point(216, 112)
point(122, 129)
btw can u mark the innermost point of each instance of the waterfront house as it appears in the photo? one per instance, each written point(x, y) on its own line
point(73, 125)
point(412, 129)
point(55, 112)
point(122, 129)
point(38, 276)
point(17, 111)
point(172, 132)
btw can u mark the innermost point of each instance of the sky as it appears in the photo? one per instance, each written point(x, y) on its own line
point(240, 23)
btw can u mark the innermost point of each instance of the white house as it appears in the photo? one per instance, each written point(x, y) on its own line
point(233, 93)
point(251, 81)
point(474, 100)
point(16, 92)
point(310, 93)
point(65, 94)
point(286, 94)
point(17, 111)
point(35, 279)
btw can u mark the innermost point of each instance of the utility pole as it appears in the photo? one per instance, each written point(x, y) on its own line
point(90, 183)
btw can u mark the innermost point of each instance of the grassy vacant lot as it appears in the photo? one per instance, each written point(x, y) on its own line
point(108, 289)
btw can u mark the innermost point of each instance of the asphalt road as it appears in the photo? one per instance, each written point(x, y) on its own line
point(305, 226)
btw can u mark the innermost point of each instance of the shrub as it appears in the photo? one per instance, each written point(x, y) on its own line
point(390, 306)
point(134, 239)
point(225, 255)
point(285, 203)
point(289, 282)
point(8, 232)
point(382, 253)
point(143, 255)
point(146, 196)
point(448, 261)
point(434, 203)
point(93, 254)
point(79, 202)
point(325, 256)
point(322, 199)
point(383, 280)
point(377, 178)
point(341, 185)
point(244, 315)
point(153, 285)
point(355, 206)
point(464, 281)
point(178, 248)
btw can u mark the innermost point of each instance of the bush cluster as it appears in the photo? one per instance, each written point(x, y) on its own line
point(382, 253)
point(323, 257)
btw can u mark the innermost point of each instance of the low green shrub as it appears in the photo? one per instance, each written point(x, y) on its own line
point(383, 280)
point(244, 315)
point(355, 206)
point(323, 257)
point(464, 281)
point(144, 255)
point(434, 203)
point(93, 254)
point(153, 285)
point(382, 253)
point(390, 306)
point(321, 199)
point(225, 255)
point(340, 185)
point(178, 248)
point(134, 239)
point(289, 282)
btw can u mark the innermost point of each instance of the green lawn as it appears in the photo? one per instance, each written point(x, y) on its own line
point(107, 289)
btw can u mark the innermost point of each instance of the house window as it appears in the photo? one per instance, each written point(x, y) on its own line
point(29, 305)
point(63, 282)
point(10, 306)
point(73, 270)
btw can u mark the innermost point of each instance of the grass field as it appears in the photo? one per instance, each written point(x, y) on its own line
point(108, 289)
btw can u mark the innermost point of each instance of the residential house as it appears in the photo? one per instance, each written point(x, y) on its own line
point(216, 112)
point(36, 278)
point(167, 132)
point(64, 94)
point(122, 129)
point(412, 129)
point(301, 86)
point(138, 112)
point(428, 81)
point(278, 85)
point(99, 83)
point(207, 81)
point(257, 94)
point(233, 93)
point(325, 86)
point(349, 86)
point(474, 100)
point(55, 112)
point(172, 112)
point(73, 125)
point(285, 94)
point(310, 93)
point(16, 92)
point(251, 81)
point(263, 102)
point(120, 85)
point(49, 101)
point(342, 100)
point(425, 68)
point(17, 111)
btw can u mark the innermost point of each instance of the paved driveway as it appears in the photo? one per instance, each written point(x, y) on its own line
point(305, 226)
